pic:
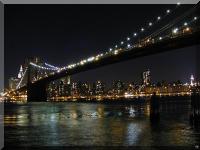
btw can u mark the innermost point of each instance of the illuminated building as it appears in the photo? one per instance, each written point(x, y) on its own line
point(192, 80)
point(83, 88)
point(118, 87)
point(13, 82)
point(99, 88)
point(52, 90)
point(61, 89)
point(74, 89)
point(20, 74)
point(146, 78)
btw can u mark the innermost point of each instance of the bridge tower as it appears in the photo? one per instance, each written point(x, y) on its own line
point(36, 92)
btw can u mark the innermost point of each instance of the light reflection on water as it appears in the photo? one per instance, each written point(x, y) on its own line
point(64, 124)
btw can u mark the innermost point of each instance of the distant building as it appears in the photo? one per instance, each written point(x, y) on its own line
point(192, 80)
point(13, 82)
point(74, 89)
point(99, 88)
point(20, 74)
point(52, 90)
point(118, 87)
point(146, 78)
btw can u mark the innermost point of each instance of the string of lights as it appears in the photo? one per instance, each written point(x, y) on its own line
point(42, 67)
point(142, 29)
point(171, 24)
point(51, 66)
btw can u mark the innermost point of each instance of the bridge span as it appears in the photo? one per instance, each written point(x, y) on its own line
point(37, 91)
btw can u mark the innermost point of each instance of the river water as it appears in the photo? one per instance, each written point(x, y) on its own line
point(93, 124)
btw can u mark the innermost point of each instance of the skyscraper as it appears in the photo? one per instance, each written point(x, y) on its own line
point(118, 87)
point(99, 88)
point(192, 80)
point(13, 82)
point(146, 77)
point(20, 74)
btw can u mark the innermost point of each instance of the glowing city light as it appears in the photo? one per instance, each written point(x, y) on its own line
point(168, 11)
point(122, 42)
point(175, 30)
point(160, 38)
point(116, 46)
point(158, 17)
point(179, 3)
point(110, 49)
point(185, 24)
point(192, 80)
point(135, 34)
point(142, 29)
point(116, 52)
point(187, 29)
point(150, 23)
point(128, 38)
point(195, 18)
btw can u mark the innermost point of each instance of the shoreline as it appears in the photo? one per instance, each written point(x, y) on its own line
point(166, 99)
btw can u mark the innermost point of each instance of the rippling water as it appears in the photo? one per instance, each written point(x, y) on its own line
point(87, 124)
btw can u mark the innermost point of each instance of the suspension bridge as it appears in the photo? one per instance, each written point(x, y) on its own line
point(182, 31)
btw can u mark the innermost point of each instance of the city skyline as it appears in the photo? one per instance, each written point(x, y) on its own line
point(145, 78)
point(124, 71)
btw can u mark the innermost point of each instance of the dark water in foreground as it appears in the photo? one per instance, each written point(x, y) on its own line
point(86, 124)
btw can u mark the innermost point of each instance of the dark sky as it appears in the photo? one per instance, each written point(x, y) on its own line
point(62, 34)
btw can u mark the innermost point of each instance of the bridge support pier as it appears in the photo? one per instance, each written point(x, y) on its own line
point(36, 93)
point(195, 106)
point(154, 108)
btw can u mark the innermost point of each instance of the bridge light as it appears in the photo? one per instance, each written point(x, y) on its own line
point(90, 59)
point(122, 42)
point(128, 38)
point(168, 11)
point(142, 29)
point(158, 17)
point(82, 63)
point(195, 18)
point(135, 34)
point(175, 30)
point(178, 3)
point(150, 24)
point(97, 58)
point(185, 24)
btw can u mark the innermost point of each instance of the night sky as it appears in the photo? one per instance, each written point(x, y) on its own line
point(63, 34)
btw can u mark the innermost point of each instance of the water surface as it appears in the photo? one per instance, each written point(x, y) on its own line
point(90, 124)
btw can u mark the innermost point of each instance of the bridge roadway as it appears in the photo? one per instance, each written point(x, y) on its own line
point(37, 91)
